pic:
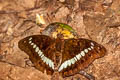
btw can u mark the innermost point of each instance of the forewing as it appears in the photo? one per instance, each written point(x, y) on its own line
point(79, 54)
point(35, 46)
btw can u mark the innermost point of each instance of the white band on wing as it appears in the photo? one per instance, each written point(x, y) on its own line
point(46, 60)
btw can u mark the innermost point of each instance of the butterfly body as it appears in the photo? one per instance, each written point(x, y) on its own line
point(65, 56)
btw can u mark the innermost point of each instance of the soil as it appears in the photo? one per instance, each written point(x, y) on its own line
point(98, 20)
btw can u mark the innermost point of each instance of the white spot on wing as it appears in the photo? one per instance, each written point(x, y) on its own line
point(89, 49)
point(42, 56)
point(65, 64)
point(44, 59)
point(50, 63)
point(34, 46)
point(69, 63)
point(78, 56)
point(82, 53)
point(61, 67)
point(40, 53)
point(72, 60)
point(86, 50)
point(30, 42)
point(92, 47)
point(92, 44)
point(75, 58)
point(30, 38)
point(37, 49)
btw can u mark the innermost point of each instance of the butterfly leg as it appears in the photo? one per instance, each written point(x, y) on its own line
point(28, 63)
point(88, 76)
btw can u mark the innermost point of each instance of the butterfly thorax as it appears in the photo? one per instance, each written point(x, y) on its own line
point(59, 44)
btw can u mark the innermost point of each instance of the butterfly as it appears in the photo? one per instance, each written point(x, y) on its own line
point(65, 56)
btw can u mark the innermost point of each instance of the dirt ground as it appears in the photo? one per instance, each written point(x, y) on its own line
point(98, 20)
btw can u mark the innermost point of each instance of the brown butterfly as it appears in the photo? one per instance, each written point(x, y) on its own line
point(65, 56)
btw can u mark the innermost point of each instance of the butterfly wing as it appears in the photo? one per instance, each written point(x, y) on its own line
point(79, 54)
point(35, 46)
